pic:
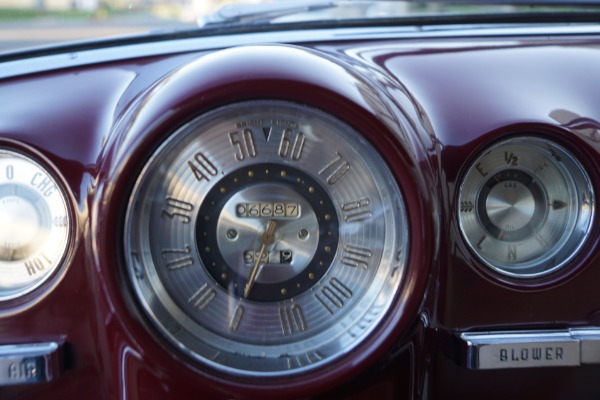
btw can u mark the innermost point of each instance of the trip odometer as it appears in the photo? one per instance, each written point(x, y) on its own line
point(266, 238)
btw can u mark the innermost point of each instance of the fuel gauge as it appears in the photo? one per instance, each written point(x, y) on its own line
point(526, 207)
point(34, 223)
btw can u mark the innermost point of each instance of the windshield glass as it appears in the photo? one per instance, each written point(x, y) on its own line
point(32, 23)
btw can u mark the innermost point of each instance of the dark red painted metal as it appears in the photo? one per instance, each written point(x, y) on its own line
point(428, 106)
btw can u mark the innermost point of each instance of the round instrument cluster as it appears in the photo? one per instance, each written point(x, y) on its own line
point(266, 238)
point(34, 225)
point(525, 207)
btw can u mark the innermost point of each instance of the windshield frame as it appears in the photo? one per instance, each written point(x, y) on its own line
point(419, 22)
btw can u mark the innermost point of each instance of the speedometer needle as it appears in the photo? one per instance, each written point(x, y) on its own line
point(267, 238)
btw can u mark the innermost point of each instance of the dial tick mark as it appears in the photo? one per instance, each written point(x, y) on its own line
point(558, 205)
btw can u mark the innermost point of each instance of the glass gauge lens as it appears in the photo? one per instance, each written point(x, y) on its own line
point(525, 207)
point(34, 225)
point(266, 238)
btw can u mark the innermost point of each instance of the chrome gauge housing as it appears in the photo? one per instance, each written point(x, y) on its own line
point(34, 225)
point(266, 238)
point(525, 207)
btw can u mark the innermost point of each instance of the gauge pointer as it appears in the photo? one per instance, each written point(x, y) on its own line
point(267, 238)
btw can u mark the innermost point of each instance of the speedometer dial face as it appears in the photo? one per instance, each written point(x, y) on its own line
point(266, 238)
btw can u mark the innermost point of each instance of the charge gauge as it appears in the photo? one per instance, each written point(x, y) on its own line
point(34, 225)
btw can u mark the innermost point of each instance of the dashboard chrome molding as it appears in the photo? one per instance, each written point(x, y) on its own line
point(30, 363)
point(530, 349)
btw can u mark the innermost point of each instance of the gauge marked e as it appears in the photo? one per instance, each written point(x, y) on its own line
point(531, 209)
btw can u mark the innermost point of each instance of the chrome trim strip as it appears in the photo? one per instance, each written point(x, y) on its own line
point(590, 344)
point(530, 349)
point(177, 46)
point(30, 363)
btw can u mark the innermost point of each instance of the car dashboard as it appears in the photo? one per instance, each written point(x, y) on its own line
point(326, 213)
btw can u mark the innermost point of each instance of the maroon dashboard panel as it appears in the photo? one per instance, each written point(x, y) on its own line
point(429, 108)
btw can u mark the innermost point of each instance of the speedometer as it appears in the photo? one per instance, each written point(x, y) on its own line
point(266, 238)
